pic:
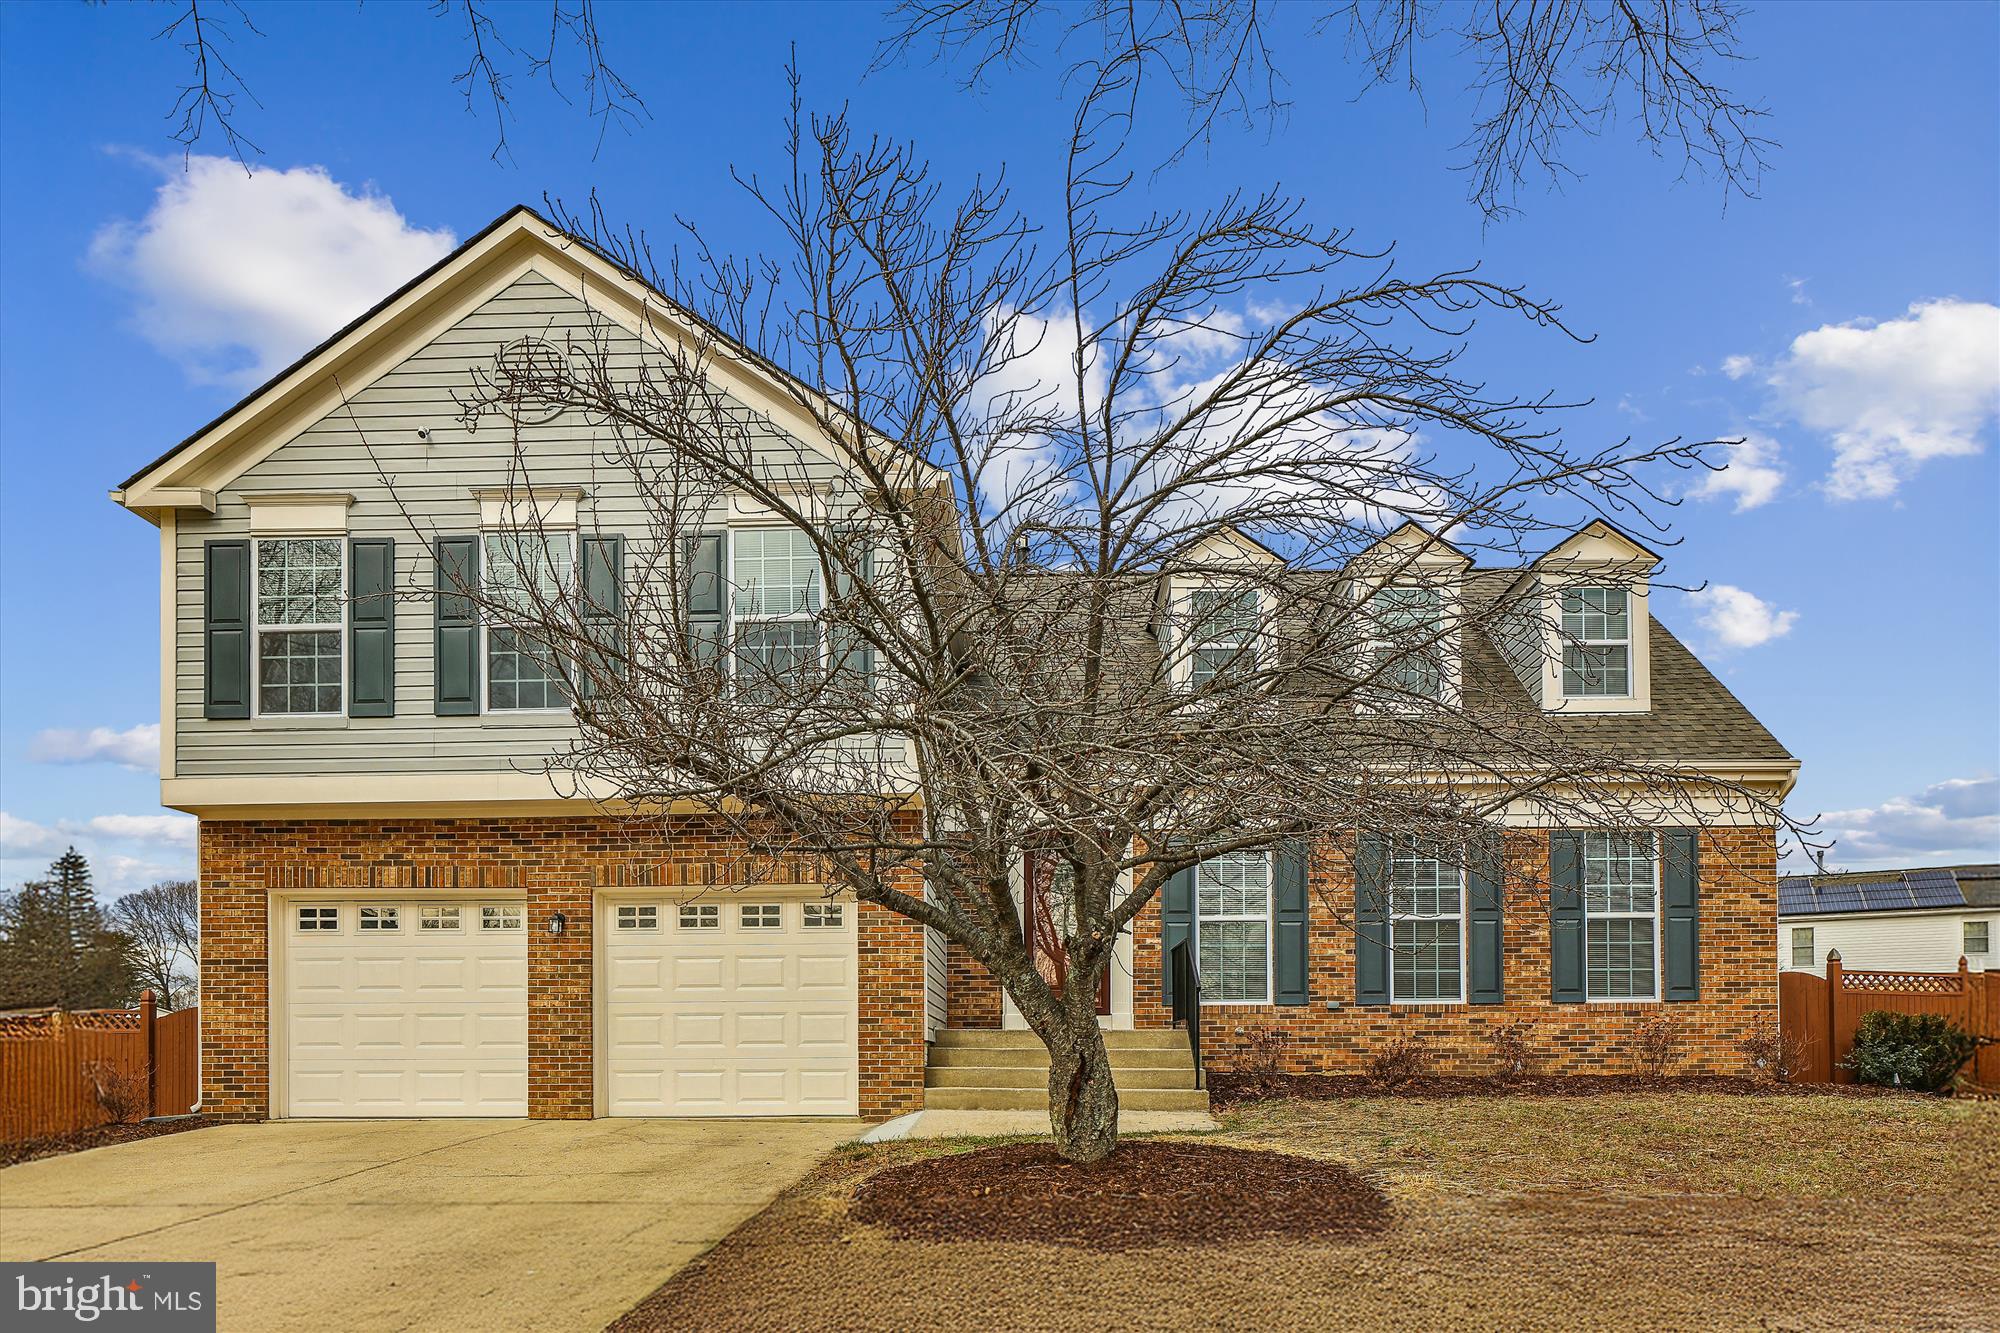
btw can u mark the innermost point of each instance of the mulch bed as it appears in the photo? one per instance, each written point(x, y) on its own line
point(98, 1136)
point(1145, 1194)
point(1225, 1089)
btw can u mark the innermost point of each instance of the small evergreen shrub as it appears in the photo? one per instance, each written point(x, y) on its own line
point(1920, 1051)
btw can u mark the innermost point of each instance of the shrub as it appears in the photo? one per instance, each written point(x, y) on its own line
point(1263, 1070)
point(120, 1092)
point(1512, 1049)
point(1775, 1054)
point(1659, 1042)
point(1921, 1051)
point(1403, 1059)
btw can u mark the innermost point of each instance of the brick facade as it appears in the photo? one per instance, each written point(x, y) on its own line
point(1331, 1034)
point(557, 864)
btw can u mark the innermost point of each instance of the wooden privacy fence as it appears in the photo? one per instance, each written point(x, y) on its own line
point(1822, 1013)
point(45, 1087)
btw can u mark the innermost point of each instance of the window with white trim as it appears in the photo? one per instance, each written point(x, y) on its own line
point(638, 916)
point(521, 570)
point(1621, 923)
point(1802, 946)
point(760, 916)
point(319, 918)
point(381, 918)
point(1222, 633)
point(824, 916)
point(701, 916)
point(301, 614)
point(1597, 643)
point(1232, 895)
point(502, 916)
point(1426, 926)
point(438, 918)
point(1978, 937)
point(1409, 624)
point(774, 576)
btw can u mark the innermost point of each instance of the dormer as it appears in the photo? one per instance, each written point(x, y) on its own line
point(1408, 591)
point(1213, 597)
point(1577, 631)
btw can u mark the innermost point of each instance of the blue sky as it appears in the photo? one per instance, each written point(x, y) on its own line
point(1844, 321)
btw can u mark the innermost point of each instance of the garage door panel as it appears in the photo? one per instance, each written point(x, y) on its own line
point(406, 1022)
point(753, 1021)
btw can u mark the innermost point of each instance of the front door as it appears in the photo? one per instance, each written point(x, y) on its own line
point(1051, 906)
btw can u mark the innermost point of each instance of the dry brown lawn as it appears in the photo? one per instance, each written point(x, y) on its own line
point(1655, 1211)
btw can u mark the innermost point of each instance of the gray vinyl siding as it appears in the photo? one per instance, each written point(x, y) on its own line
point(934, 982)
point(1519, 639)
point(352, 451)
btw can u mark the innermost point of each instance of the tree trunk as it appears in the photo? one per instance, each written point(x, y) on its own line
point(1083, 1099)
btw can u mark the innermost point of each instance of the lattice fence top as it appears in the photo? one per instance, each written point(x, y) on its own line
point(1907, 983)
point(40, 1027)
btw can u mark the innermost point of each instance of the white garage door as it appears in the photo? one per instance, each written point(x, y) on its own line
point(744, 1006)
point(406, 1008)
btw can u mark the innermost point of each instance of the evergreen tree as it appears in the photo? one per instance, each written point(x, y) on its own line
point(56, 948)
point(76, 897)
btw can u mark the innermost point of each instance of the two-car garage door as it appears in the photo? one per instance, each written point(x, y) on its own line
point(736, 1006)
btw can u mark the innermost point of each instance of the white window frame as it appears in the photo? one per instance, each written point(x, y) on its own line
point(450, 918)
point(699, 916)
point(1567, 641)
point(1965, 938)
point(831, 916)
point(760, 916)
point(388, 919)
point(486, 625)
point(258, 628)
point(1804, 935)
point(1270, 934)
point(1395, 917)
point(738, 618)
point(319, 926)
point(1382, 652)
point(1583, 892)
point(503, 916)
point(1245, 654)
point(641, 917)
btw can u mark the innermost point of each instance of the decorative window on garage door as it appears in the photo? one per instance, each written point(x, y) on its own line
point(500, 916)
point(638, 916)
point(381, 918)
point(762, 916)
point(823, 916)
point(319, 918)
point(701, 916)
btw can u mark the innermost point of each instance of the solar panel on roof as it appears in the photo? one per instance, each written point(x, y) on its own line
point(1839, 898)
point(1932, 893)
point(1795, 896)
point(1885, 897)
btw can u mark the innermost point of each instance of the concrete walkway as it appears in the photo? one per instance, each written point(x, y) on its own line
point(427, 1224)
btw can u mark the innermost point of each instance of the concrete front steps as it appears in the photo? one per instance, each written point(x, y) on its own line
point(988, 1069)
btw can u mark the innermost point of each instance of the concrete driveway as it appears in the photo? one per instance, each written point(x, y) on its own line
point(429, 1224)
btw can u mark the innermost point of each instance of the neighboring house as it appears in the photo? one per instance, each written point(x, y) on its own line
point(401, 915)
point(1921, 920)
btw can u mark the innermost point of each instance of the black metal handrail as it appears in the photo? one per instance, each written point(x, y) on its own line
point(1187, 1002)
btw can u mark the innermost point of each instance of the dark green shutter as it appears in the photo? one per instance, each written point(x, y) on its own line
point(603, 609)
point(1484, 890)
point(1290, 980)
point(707, 605)
point(1371, 919)
point(1176, 926)
point(225, 629)
point(1680, 893)
point(852, 653)
point(371, 627)
point(1566, 917)
point(457, 641)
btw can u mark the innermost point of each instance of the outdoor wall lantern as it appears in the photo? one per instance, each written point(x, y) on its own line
point(556, 923)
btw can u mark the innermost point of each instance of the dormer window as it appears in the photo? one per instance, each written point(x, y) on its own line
point(1410, 623)
point(1597, 643)
point(1221, 634)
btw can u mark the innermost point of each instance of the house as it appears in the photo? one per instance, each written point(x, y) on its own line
point(1921, 920)
point(403, 916)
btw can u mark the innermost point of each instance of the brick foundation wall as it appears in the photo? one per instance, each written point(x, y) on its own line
point(1331, 1034)
point(557, 864)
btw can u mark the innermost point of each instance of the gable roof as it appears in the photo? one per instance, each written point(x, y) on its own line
point(367, 346)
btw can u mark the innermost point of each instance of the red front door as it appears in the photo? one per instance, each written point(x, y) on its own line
point(1051, 912)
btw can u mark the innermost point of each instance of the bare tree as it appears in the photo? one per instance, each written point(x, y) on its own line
point(1075, 546)
point(163, 923)
point(1539, 71)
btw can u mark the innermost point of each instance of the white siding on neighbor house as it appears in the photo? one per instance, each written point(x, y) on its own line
point(353, 450)
point(1891, 941)
point(934, 982)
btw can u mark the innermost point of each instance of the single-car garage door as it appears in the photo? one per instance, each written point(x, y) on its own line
point(744, 1006)
point(405, 1008)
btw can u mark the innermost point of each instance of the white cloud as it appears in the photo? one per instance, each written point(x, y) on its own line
point(1739, 619)
point(23, 836)
point(1798, 286)
point(125, 852)
point(134, 747)
point(1956, 820)
point(238, 274)
point(1736, 367)
point(172, 830)
point(1751, 474)
point(1891, 396)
